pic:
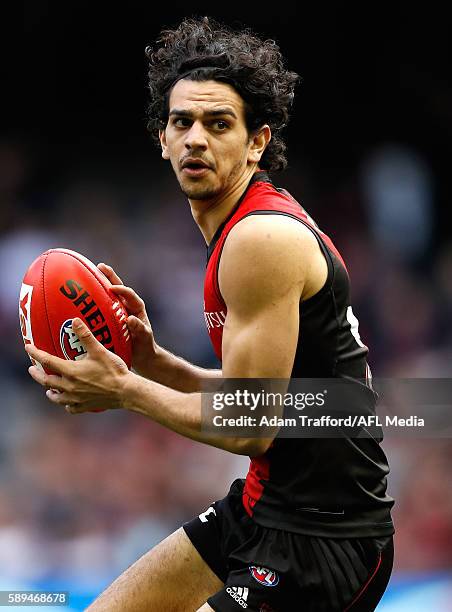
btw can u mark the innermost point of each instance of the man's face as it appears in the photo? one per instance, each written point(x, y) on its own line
point(206, 137)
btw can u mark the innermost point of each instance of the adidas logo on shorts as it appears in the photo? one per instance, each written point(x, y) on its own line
point(240, 594)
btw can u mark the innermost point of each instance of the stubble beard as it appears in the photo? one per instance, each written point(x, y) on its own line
point(200, 192)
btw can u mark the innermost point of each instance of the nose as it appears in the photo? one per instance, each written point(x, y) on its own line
point(196, 137)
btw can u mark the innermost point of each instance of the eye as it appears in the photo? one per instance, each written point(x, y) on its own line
point(181, 122)
point(220, 125)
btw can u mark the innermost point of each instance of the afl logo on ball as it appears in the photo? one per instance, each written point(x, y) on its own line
point(71, 346)
point(264, 576)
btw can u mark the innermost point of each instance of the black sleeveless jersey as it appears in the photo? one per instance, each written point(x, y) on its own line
point(331, 487)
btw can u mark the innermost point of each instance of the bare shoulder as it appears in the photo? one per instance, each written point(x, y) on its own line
point(270, 232)
point(272, 250)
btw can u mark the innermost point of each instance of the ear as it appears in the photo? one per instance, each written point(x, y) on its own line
point(162, 137)
point(258, 143)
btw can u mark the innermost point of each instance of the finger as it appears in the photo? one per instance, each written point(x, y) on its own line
point(49, 362)
point(47, 380)
point(135, 325)
point(58, 398)
point(110, 274)
point(70, 408)
point(79, 409)
point(66, 400)
point(131, 300)
point(85, 336)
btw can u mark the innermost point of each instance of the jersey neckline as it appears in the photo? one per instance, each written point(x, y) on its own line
point(260, 176)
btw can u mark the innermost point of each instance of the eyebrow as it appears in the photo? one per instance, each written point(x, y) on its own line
point(213, 113)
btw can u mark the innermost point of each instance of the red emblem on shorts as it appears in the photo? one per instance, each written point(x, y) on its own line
point(264, 576)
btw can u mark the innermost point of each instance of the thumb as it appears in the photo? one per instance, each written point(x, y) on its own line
point(85, 335)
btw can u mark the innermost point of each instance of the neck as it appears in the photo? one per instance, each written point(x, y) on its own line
point(210, 214)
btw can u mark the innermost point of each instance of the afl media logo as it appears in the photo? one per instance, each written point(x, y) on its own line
point(264, 576)
point(70, 344)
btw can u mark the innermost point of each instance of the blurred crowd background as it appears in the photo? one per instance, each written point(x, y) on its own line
point(369, 150)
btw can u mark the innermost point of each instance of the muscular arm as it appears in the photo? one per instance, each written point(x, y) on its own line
point(261, 277)
point(177, 373)
point(264, 269)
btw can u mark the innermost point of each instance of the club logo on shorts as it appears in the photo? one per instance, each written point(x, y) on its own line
point(264, 576)
point(239, 594)
point(71, 346)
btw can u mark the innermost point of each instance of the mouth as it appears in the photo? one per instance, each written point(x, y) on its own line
point(195, 167)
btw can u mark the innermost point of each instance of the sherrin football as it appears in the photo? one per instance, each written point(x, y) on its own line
point(61, 285)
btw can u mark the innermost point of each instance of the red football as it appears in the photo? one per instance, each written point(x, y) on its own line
point(61, 285)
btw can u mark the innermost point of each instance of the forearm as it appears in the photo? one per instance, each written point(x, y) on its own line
point(177, 373)
point(180, 412)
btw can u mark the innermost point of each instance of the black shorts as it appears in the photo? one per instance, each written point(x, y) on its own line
point(269, 570)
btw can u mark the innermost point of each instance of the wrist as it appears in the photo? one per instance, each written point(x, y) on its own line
point(126, 386)
point(155, 363)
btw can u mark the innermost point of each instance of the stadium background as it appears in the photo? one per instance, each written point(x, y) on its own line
point(369, 151)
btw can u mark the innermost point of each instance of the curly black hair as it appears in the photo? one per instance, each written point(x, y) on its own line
point(202, 49)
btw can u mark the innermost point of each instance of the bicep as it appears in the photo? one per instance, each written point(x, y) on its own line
point(261, 278)
point(262, 344)
point(262, 274)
